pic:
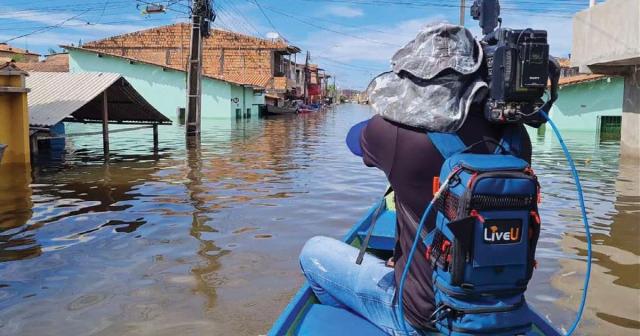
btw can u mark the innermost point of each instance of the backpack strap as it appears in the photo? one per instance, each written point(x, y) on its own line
point(511, 140)
point(446, 143)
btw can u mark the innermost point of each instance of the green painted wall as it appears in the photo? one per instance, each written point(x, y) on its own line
point(165, 89)
point(579, 106)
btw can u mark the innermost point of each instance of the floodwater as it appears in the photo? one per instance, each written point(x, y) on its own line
point(205, 242)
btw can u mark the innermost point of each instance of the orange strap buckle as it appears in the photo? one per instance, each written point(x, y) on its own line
point(436, 184)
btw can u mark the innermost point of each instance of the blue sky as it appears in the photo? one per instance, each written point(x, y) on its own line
point(353, 39)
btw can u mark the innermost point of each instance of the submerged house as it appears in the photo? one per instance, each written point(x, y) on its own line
point(590, 103)
point(237, 69)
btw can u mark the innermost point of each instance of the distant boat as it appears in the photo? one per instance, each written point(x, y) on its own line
point(310, 108)
point(280, 110)
point(2, 148)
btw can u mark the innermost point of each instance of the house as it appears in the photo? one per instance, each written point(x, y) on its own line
point(58, 62)
point(237, 69)
point(317, 83)
point(9, 53)
point(589, 103)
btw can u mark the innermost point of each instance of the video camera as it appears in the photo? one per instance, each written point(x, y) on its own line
point(517, 67)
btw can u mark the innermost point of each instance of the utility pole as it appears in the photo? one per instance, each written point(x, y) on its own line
point(307, 80)
point(202, 16)
point(462, 12)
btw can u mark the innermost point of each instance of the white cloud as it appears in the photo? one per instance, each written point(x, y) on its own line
point(368, 43)
point(344, 11)
point(376, 45)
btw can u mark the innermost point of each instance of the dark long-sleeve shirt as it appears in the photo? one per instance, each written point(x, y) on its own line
point(410, 161)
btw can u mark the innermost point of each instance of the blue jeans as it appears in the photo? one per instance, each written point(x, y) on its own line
point(367, 289)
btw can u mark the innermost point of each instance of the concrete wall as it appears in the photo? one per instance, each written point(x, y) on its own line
point(579, 106)
point(608, 33)
point(165, 89)
point(14, 122)
point(630, 133)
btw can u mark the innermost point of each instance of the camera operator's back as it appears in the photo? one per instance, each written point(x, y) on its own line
point(410, 162)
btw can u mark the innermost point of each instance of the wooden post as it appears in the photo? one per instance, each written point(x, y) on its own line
point(33, 140)
point(105, 125)
point(462, 12)
point(155, 137)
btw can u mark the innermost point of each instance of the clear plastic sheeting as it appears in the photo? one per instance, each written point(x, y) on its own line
point(439, 47)
point(433, 82)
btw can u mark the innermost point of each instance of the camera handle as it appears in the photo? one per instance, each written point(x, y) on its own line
point(554, 77)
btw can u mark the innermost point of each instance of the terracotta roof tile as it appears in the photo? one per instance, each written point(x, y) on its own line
point(229, 55)
point(579, 79)
point(53, 63)
point(6, 47)
point(133, 59)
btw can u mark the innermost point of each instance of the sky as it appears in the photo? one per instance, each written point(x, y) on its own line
point(351, 39)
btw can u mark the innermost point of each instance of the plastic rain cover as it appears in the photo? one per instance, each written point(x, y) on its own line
point(433, 81)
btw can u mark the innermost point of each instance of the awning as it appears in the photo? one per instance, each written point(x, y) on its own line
point(77, 97)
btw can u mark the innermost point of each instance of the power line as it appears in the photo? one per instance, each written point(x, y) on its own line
point(266, 17)
point(60, 24)
point(234, 13)
point(329, 29)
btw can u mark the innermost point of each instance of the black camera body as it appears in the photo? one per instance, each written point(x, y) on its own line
point(516, 68)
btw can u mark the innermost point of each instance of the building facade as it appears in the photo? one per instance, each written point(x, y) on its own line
point(165, 88)
point(226, 55)
point(589, 103)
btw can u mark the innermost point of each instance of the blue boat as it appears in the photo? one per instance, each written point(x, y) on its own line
point(306, 316)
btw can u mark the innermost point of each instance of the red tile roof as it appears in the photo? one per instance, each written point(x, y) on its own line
point(226, 55)
point(565, 81)
point(134, 60)
point(8, 48)
point(53, 63)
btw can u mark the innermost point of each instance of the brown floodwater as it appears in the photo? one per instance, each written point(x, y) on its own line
point(205, 241)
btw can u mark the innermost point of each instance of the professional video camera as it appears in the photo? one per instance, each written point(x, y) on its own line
point(517, 68)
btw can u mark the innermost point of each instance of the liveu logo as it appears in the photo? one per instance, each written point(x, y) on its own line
point(493, 235)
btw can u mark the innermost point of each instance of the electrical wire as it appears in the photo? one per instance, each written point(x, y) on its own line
point(267, 17)
point(47, 28)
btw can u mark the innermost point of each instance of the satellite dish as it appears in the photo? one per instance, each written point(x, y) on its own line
point(273, 35)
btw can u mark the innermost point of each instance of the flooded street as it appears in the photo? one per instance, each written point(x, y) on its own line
point(205, 242)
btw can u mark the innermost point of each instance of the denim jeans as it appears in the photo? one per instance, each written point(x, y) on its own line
point(367, 289)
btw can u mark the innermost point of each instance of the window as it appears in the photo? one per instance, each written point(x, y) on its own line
point(278, 65)
point(610, 127)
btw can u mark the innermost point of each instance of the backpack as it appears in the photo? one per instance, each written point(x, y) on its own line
point(483, 246)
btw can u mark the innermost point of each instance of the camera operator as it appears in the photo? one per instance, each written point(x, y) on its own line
point(395, 141)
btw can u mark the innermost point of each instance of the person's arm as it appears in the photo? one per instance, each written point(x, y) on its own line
point(378, 143)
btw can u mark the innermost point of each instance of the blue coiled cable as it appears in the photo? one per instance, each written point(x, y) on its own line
point(585, 221)
point(574, 173)
point(406, 266)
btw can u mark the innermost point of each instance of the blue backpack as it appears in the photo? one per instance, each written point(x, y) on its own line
point(483, 246)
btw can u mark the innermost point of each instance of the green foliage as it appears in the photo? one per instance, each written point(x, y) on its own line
point(17, 58)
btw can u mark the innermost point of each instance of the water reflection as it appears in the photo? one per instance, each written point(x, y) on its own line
point(16, 241)
point(613, 201)
point(205, 240)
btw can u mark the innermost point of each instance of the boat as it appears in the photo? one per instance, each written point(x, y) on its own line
point(2, 148)
point(305, 315)
point(311, 108)
point(281, 110)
